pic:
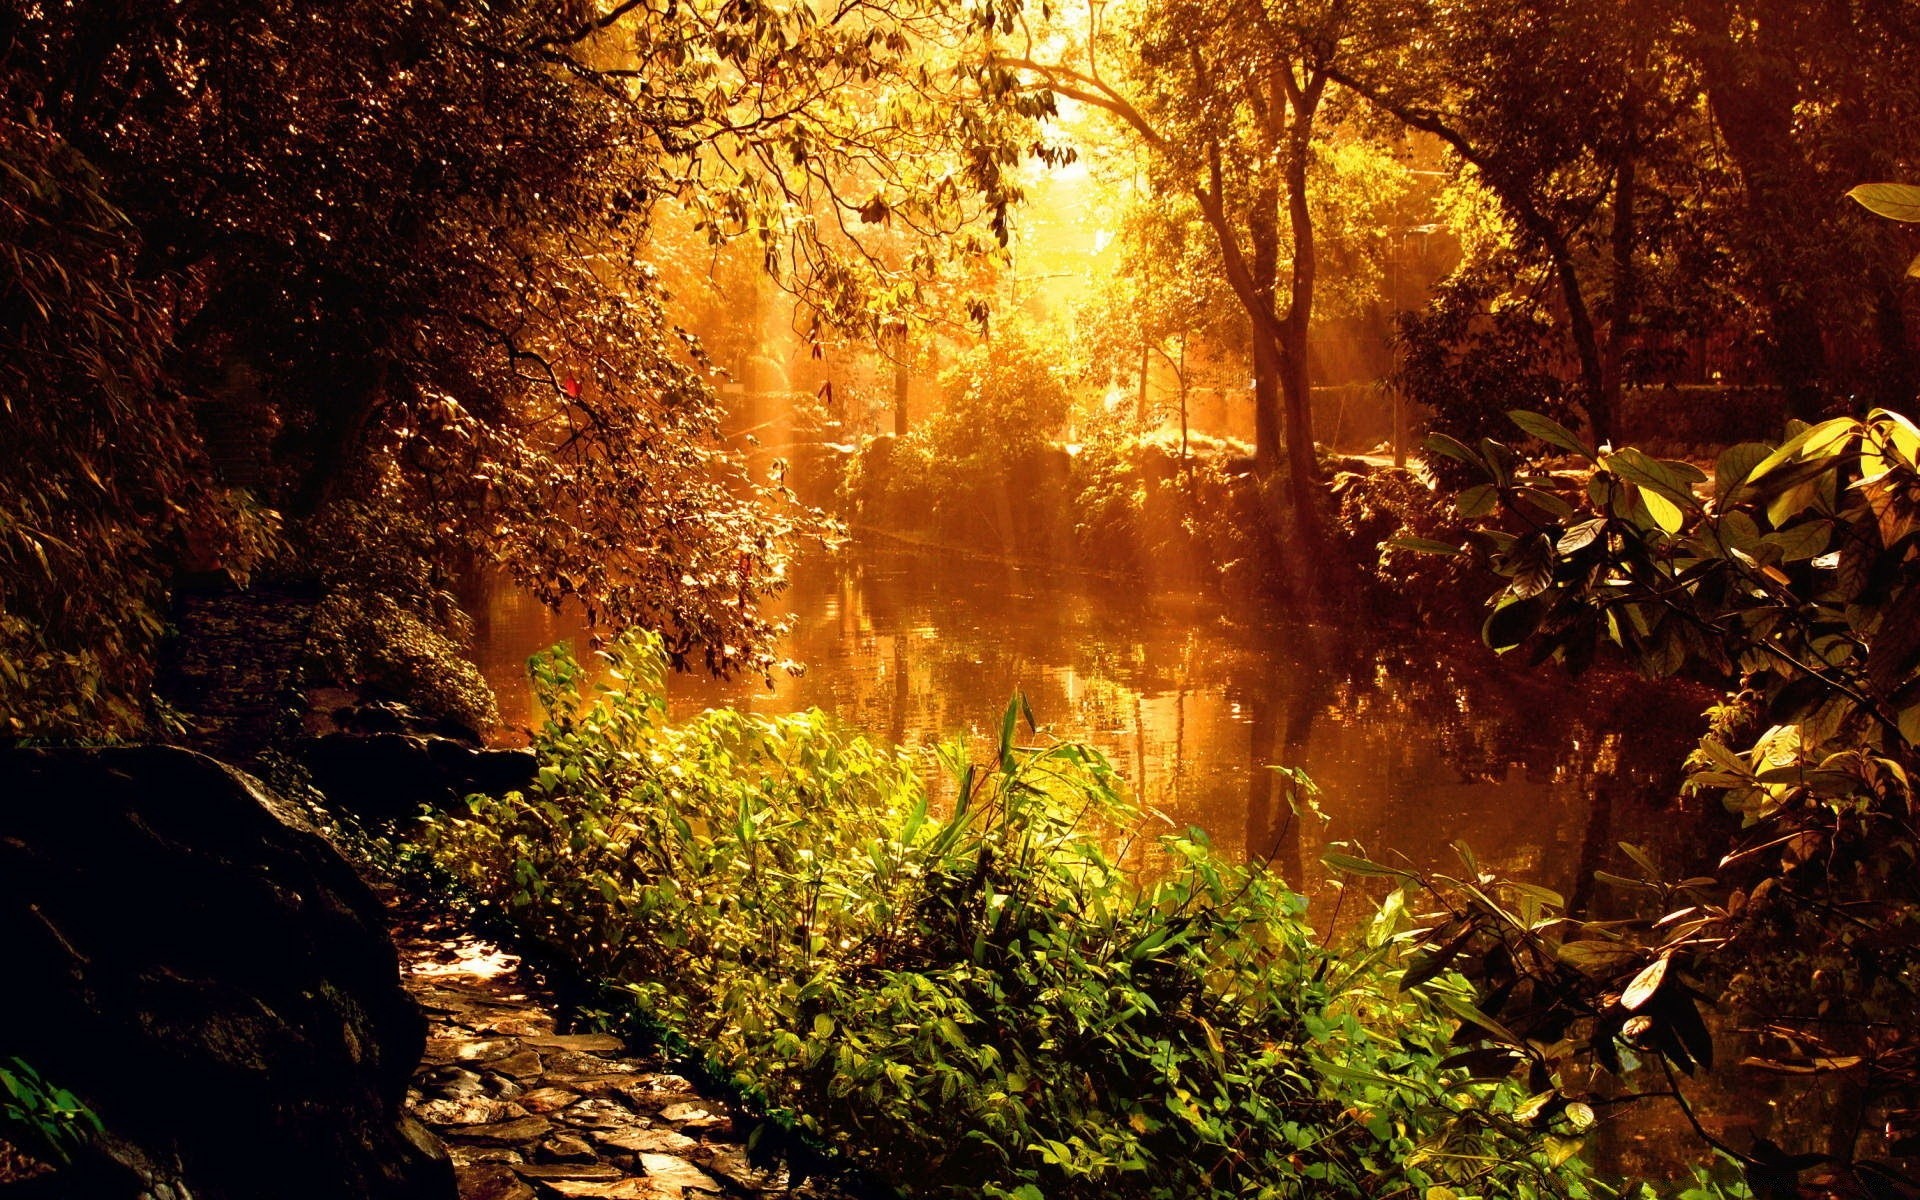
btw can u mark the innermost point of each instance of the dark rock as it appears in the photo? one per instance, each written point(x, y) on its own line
point(210, 976)
point(390, 776)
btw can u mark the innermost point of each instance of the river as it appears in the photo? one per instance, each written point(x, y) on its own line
point(1415, 742)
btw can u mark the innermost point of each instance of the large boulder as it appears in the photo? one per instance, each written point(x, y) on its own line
point(210, 977)
point(389, 776)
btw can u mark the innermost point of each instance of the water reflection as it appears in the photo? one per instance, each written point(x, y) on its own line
point(1414, 744)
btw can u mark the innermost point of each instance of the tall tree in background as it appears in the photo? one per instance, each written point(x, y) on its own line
point(1564, 112)
point(1229, 100)
point(1810, 99)
point(363, 276)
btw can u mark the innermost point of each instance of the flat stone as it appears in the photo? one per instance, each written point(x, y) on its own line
point(733, 1165)
point(485, 1051)
point(565, 1147)
point(575, 1064)
point(582, 1042)
point(598, 1113)
point(596, 1085)
point(590, 1170)
point(621, 1189)
point(526, 1129)
point(648, 1141)
point(466, 1155)
point(654, 1091)
point(491, 1181)
point(523, 1064)
point(677, 1175)
point(690, 1113)
point(547, 1099)
point(468, 1110)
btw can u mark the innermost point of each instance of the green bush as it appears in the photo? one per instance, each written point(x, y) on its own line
point(39, 1119)
point(985, 1002)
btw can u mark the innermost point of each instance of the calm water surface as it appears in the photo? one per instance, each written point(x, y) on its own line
point(1414, 745)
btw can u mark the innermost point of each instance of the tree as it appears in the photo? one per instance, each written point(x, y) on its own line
point(1228, 101)
point(383, 259)
point(1808, 100)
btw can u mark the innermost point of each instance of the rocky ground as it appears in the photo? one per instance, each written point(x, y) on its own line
point(528, 1113)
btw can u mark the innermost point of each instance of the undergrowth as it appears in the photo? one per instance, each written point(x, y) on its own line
point(978, 996)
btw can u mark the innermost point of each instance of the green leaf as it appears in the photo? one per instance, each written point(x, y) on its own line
point(1476, 501)
point(1580, 536)
point(1804, 540)
point(1910, 724)
point(1348, 864)
point(1510, 623)
point(1666, 514)
point(1550, 431)
point(1733, 466)
point(1895, 201)
point(1440, 443)
point(1421, 545)
point(1649, 472)
point(1645, 984)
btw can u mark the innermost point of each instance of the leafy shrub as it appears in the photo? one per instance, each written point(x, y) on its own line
point(370, 641)
point(1471, 357)
point(1382, 515)
point(1789, 578)
point(986, 1002)
point(39, 1119)
point(389, 621)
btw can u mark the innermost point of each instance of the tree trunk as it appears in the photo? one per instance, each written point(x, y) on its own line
point(1586, 342)
point(1263, 233)
point(902, 379)
point(1140, 400)
point(1752, 92)
point(1620, 301)
point(1297, 377)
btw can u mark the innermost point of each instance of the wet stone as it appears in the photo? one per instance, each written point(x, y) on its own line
point(526, 1129)
point(547, 1099)
point(573, 1063)
point(524, 1064)
point(531, 1114)
point(465, 1155)
point(565, 1147)
point(598, 1114)
point(489, 1050)
point(600, 1085)
point(451, 1083)
point(588, 1170)
point(734, 1166)
point(468, 1110)
point(677, 1175)
point(491, 1181)
point(582, 1042)
point(620, 1189)
point(648, 1141)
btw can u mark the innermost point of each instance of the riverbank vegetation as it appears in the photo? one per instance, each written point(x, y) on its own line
point(975, 993)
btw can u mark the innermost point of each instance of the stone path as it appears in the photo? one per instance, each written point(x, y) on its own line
point(531, 1114)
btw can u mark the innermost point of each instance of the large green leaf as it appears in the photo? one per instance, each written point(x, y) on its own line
point(1895, 201)
point(1735, 464)
point(1550, 431)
